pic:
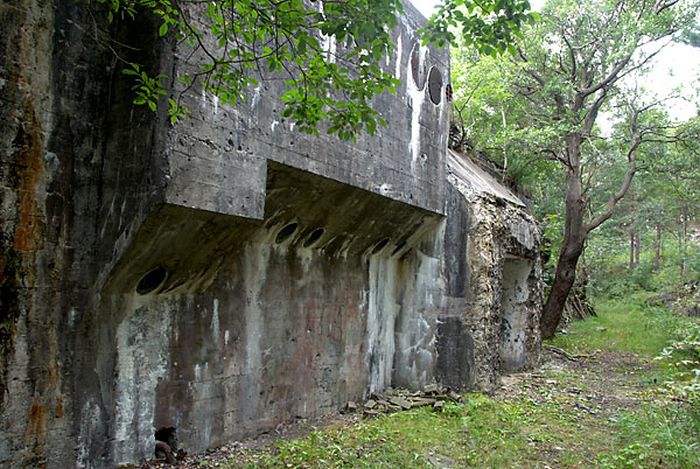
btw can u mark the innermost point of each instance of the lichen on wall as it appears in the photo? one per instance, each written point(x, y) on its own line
point(142, 341)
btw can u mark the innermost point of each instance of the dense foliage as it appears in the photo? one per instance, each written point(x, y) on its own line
point(566, 116)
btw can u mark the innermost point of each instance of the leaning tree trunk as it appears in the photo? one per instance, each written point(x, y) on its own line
point(572, 245)
point(563, 281)
point(575, 229)
point(632, 250)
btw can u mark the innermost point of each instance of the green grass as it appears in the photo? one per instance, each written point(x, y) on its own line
point(661, 434)
point(542, 426)
point(627, 325)
point(483, 432)
point(396, 440)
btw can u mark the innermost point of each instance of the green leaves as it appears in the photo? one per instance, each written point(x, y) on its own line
point(328, 53)
point(176, 111)
point(490, 26)
point(147, 89)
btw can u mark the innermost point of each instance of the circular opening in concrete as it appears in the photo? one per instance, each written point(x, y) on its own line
point(286, 232)
point(380, 245)
point(313, 237)
point(417, 68)
point(151, 281)
point(398, 248)
point(435, 85)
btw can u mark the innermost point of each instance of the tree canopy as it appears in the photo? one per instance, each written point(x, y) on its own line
point(542, 107)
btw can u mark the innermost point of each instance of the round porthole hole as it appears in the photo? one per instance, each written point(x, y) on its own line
point(398, 248)
point(151, 281)
point(417, 68)
point(286, 232)
point(380, 245)
point(313, 237)
point(435, 85)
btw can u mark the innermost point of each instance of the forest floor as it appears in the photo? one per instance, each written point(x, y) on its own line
point(597, 400)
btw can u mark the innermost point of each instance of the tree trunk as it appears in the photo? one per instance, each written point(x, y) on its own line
point(632, 238)
point(682, 238)
point(572, 244)
point(657, 249)
point(637, 248)
point(575, 229)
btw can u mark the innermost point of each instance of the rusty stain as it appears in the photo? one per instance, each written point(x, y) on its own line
point(59, 407)
point(28, 229)
point(18, 258)
point(36, 424)
point(36, 436)
point(52, 376)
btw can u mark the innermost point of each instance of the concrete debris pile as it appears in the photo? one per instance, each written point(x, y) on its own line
point(396, 400)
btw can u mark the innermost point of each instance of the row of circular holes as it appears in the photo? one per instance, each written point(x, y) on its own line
point(155, 278)
point(434, 77)
point(286, 232)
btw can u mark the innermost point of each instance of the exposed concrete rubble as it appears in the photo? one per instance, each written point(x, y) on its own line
point(395, 400)
point(505, 288)
point(227, 274)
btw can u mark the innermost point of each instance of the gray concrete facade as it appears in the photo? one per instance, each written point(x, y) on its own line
point(227, 273)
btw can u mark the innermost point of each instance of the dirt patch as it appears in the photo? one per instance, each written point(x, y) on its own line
point(603, 381)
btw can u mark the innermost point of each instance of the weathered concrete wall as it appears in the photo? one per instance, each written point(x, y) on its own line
point(254, 328)
point(218, 157)
point(225, 274)
point(75, 174)
point(504, 286)
point(515, 318)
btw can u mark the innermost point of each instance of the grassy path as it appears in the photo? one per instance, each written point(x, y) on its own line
point(606, 408)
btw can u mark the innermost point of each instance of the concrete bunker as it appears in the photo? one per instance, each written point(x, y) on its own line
point(225, 274)
point(271, 319)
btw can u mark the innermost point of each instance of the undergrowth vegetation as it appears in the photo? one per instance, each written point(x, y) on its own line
point(629, 325)
point(660, 434)
point(665, 430)
point(611, 276)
